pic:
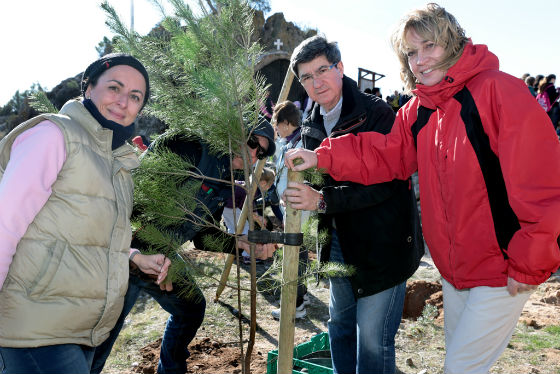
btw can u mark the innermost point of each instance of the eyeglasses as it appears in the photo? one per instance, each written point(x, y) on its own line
point(306, 79)
point(253, 143)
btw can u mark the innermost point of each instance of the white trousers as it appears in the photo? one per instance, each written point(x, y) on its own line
point(479, 323)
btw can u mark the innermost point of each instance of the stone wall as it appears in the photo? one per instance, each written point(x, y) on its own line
point(277, 34)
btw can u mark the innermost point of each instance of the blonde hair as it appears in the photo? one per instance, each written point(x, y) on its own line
point(432, 23)
point(543, 84)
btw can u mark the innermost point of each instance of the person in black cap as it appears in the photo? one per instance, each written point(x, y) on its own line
point(187, 312)
point(66, 197)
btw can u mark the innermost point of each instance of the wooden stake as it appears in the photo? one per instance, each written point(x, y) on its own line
point(288, 79)
point(289, 287)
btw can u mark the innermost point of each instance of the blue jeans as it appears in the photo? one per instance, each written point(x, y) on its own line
point(186, 316)
point(55, 359)
point(362, 331)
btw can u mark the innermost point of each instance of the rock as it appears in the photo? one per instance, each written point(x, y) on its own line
point(409, 362)
point(551, 297)
point(276, 27)
point(530, 322)
point(69, 88)
point(267, 32)
point(436, 299)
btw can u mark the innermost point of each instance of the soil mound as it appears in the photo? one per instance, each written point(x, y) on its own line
point(207, 357)
point(418, 294)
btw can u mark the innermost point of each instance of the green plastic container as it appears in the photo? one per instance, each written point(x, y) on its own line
point(317, 343)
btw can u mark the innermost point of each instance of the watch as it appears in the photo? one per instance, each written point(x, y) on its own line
point(321, 204)
point(133, 254)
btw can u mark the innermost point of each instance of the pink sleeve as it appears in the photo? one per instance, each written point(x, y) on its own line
point(36, 158)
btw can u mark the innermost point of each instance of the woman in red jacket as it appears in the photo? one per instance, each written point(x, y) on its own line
point(489, 174)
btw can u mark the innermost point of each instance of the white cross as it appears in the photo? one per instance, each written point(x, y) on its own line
point(278, 43)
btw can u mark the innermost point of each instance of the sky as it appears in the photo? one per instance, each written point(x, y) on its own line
point(46, 42)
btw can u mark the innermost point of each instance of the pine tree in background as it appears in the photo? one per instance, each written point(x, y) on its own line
point(41, 103)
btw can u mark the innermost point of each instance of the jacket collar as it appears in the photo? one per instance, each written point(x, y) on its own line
point(474, 60)
point(76, 110)
point(294, 137)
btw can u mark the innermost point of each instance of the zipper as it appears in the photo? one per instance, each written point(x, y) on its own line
point(359, 120)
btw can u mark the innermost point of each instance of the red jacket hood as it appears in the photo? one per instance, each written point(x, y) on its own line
point(474, 60)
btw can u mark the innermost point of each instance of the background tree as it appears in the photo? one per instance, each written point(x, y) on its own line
point(105, 46)
point(18, 109)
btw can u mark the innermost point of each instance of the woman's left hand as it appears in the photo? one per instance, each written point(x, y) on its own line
point(514, 287)
point(157, 265)
point(265, 251)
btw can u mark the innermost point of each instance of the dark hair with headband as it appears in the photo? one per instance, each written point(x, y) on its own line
point(98, 67)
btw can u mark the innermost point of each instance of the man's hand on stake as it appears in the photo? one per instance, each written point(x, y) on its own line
point(301, 196)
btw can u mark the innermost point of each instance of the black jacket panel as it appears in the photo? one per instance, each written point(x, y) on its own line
point(378, 225)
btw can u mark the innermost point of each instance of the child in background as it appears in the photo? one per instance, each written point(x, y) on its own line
point(286, 120)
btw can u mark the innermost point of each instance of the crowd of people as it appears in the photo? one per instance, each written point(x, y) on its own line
point(397, 99)
point(547, 95)
point(488, 164)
